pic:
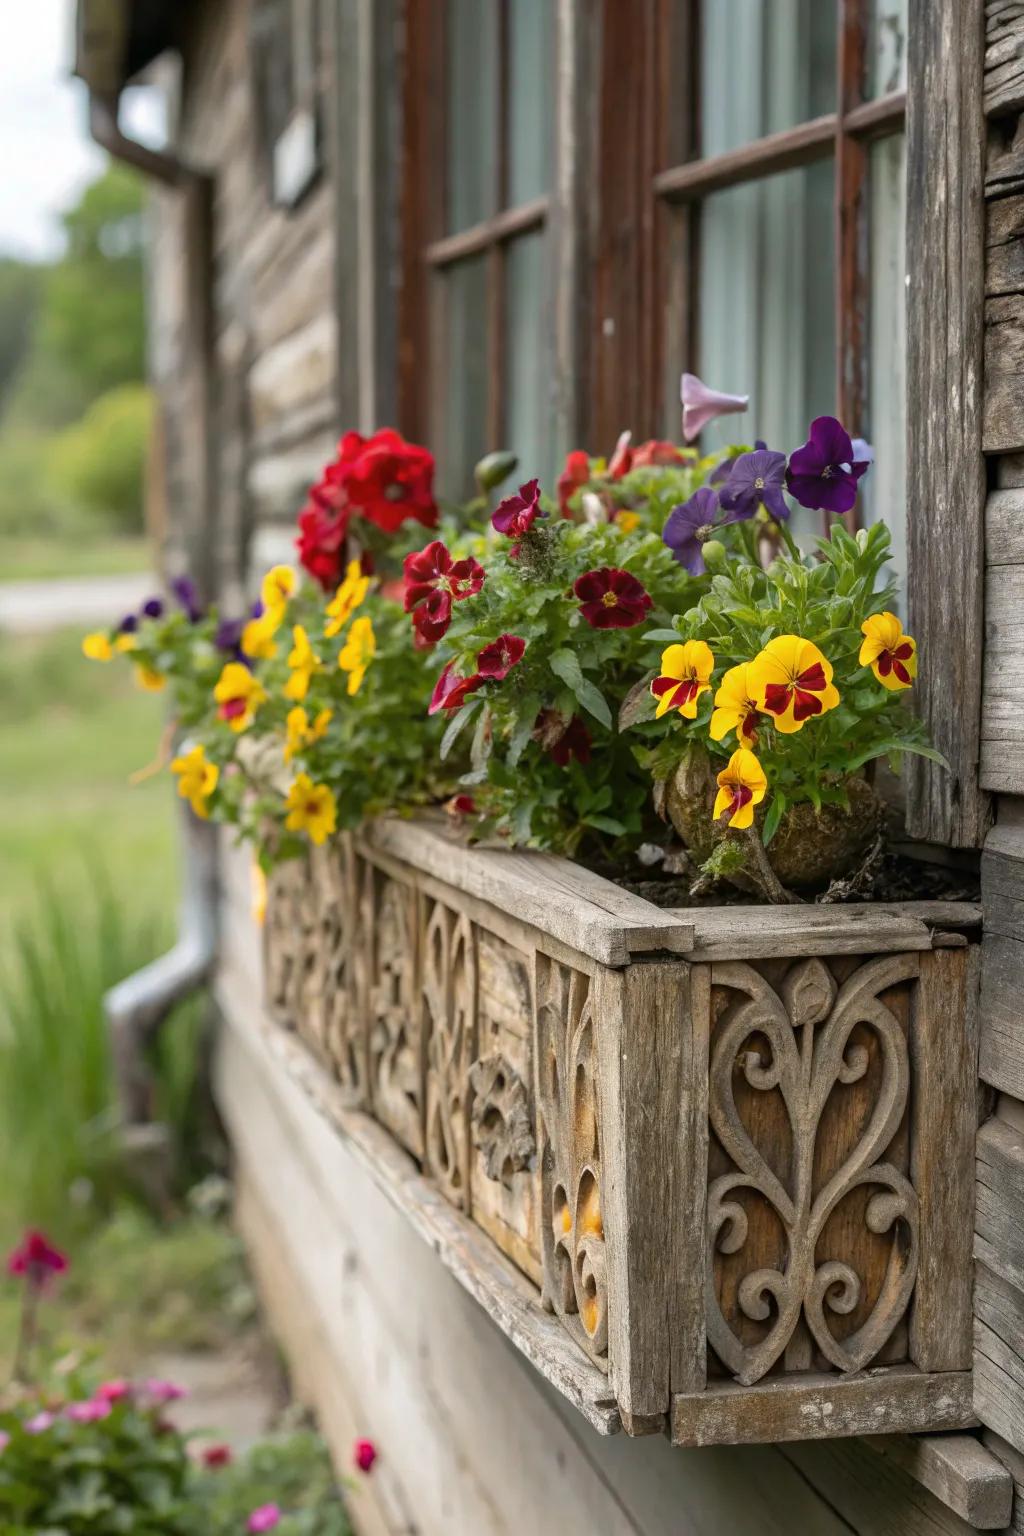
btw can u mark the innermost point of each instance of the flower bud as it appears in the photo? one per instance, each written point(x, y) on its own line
point(714, 555)
point(493, 468)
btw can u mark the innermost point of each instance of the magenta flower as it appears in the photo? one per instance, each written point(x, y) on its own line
point(611, 598)
point(451, 691)
point(516, 515)
point(364, 1454)
point(756, 480)
point(701, 405)
point(823, 474)
point(163, 1391)
point(39, 1423)
point(36, 1258)
point(113, 1391)
point(88, 1412)
point(689, 526)
point(497, 659)
point(264, 1519)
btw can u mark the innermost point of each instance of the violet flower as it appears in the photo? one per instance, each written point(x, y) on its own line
point(756, 481)
point(153, 608)
point(229, 634)
point(184, 589)
point(823, 474)
point(701, 405)
point(689, 526)
point(128, 625)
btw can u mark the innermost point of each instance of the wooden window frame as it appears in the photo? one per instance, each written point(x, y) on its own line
point(293, 153)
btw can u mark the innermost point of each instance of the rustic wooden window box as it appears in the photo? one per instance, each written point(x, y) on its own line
point(727, 1151)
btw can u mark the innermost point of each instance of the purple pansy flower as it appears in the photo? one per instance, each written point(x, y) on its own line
point(128, 625)
point(823, 474)
point(701, 405)
point(153, 608)
point(229, 634)
point(184, 589)
point(689, 526)
point(756, 481)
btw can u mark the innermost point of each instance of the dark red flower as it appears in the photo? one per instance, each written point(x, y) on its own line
point(217, 1456)
point(321, 545)
point(516, 515)
point(574, 742)
point(611, 599)
point(433, 581)
point(387, 480)
point(575, 474)
point(451, 691)
point(461, 805)
point(37, 1259)
point(364, 1454)
point(621, 461)
point(497, 659)
point(655, 453)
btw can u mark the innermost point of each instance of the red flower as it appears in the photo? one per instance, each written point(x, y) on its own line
point(323, 531)
point(497, 659)
point(364, 1454)
point(516, 515)
point(217, 1456)
point(36, 1258)
point(433, 581)
point(611, 599)
point(575, 741)
point(461, 805)
point(387, 480)
point(451, 691)
point(621, 461)
point(575, 474)
point(657, 453)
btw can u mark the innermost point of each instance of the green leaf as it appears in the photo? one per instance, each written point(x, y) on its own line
point(663, 636)
point(883, 748)
point(776, 811)
point(606, 824)
point(528, 712)
point(565, 665)
point(456, 724)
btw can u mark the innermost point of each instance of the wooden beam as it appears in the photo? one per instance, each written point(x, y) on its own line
point(958, 1470)
point(946, 489)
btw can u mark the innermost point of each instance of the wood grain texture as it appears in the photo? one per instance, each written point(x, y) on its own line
point(961, 1473)
point(998, 1356)
point(823, 1407)
point(742, 933)
point(1013, 1462)
point(946, 493)
point(999, 1219)
point(944, 1056)
point(1004, 57)
point(1001, 1055)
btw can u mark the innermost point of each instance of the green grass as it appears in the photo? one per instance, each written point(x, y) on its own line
point(27, 559)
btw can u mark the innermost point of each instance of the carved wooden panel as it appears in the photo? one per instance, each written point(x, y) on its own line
point(396, 1012)
point(287, 939)
point(449, 993)
point(812, 1220)
point(505, 1197)
point(574, 1271)
point(335, 1001)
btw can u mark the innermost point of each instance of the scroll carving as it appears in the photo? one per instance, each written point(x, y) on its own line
point(287, 939)
point(396, 1015)
point(449, 993)
point(501, 1118)
point(574, 1279)
point(798, 1039)
point(337, 996)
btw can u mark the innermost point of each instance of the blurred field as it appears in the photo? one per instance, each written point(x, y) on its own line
point(28, 559)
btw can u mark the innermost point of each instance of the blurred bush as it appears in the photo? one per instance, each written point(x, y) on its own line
point(98, 465)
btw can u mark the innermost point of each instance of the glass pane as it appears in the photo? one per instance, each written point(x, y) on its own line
point(531, 99)
point(887, 48)
point(766, 314)
point(765, 65)
point(886, 483)
point(528, 413)
point(460, 403)
point(471, 122)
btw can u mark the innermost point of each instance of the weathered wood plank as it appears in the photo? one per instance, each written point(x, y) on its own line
point(999, 1215)
point(1001, 1053)
point(1004, 510)
point(740, 933)
point(946, 493)
point(944, 1056)
point(580, 908)
point(823, 1407)
point(1013, 1461)
point(689, 1258)
point(1002, 751)
point(1004, 57)
point(999, 1356)
point(1003, 430)
point(958, 1470)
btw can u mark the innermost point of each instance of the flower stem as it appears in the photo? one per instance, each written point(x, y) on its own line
point(26, 1334)
point(790, 542)
point(770, 883)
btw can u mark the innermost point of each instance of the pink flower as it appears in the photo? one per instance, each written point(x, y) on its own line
point(39, 1423)
point(701, 405)
point(364, 1454)
point(497, 659)
point(89, 1412)
point(36, 1258)
point(264, 1518)
point(215, 1456)
point(163, 1391)
point(113, 1391)
point(515, 516)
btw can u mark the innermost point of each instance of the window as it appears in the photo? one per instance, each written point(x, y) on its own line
point(479, 145)
point(284, 54)
point(782, 212)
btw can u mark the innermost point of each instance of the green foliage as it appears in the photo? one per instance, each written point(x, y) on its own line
point(99, 462)
point(20, 284)
point(293, 1472)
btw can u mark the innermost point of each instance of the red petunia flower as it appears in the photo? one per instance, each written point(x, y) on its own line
point(321, 544)
point(516, 515)
point(433, 581)
point(451, 691)
point(656, 453)
point(611, 599)
point(497, 659)
point(575, 474)
point(387, 480)
point(461, 805)
point(215, 1456)
point(37, 1259)
point(364, 1454)
point(621, 461)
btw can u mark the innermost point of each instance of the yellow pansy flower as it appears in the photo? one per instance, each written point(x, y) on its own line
point(238, 695)
point(301, 734)
point(735, 707)
point(685, 674)
point(258, 889)
point(741, 786)
point(791, 680)
point(349, 596)
point(311, 809)
point(303, 661)
point(627, 522)
point(97, 646)
point(277, 587)
point(149, 678)
point(357, 653)
point(125, 643)
point(258, 635)
point(197, 779)
point(891, 655)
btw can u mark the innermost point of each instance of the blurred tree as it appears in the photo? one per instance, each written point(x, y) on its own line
point(99, 463)
point(20, 285)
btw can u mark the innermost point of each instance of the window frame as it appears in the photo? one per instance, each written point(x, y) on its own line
point(292, 151)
